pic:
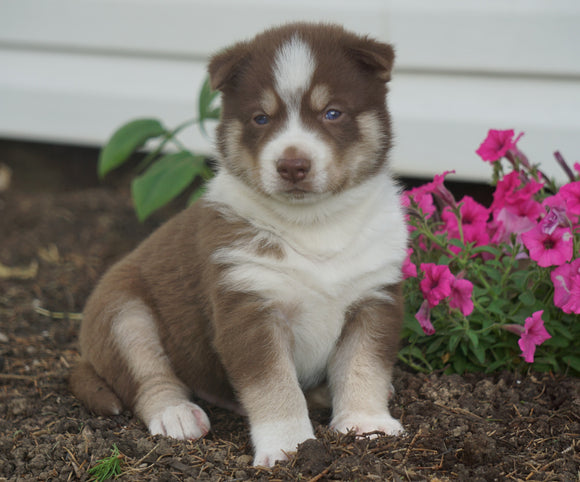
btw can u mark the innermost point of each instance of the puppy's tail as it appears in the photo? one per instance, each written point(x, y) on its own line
point(93, 391)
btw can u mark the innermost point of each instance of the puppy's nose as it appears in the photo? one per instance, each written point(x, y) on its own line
point(293, 170)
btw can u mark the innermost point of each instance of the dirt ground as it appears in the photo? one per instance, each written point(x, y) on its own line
point(60, 230)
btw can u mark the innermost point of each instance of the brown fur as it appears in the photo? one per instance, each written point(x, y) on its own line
point(223, 342)
point(346, 61)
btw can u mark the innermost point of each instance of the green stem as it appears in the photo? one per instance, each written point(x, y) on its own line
point(170, 136)
point(424, 229)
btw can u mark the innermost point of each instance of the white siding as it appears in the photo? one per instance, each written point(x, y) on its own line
point(73, 70)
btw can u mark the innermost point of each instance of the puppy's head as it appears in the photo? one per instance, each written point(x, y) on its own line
point(303, 110)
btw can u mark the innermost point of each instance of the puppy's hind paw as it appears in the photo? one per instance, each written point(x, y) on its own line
point(184, 421)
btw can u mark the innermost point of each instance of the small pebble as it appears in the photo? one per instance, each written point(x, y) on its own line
point(244, 460)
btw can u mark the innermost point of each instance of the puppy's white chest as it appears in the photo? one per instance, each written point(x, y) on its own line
point(320, 275)
point(324, 267)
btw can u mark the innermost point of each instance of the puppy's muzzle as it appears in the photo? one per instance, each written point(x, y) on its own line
point(293, 170)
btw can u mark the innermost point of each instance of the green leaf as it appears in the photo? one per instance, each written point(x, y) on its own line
point(473, 338)
point(125, 140)
point(453, 342)
point(492, 273)
point(459, 365)
point(413, 356)
point(488, 249)
point(527, 298)
point(479, 353)
point(444, 260)
point(457, 243)
point(495, 365)
point(435, 345)
point(164, 180)
point(573, 361)
point(497, 307)
point(205, 105)
point(200, 191)
point(557, 341)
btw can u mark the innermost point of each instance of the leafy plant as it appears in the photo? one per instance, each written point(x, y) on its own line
point(109, 467)
point(162, 176)
point(477, 276)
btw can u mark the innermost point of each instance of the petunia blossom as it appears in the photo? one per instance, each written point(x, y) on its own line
point(461, 291)
point(497, 144)
point(554, 218)
point(566, 280)
point(436, 284)
point(534, 334)
point(423, 316)
point(423, 195)
point(474, 218)
point(571, 194)
point(549, 249)
point(409, 268)
point(506, 223)
point(516, 192)
point(514, 207)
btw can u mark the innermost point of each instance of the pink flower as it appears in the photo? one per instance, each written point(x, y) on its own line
point(434, 187)
point(571, 194)
point(409, 268)
point(534, 334)
point(436, 284)
point(555, 217)
point(549, 249)
point(506, 223)
point(461, 291)
point(514, 208)
point(577, 167)
point(423, 316)
point(473, 223)
point(511, 194)
point(497, 144)
point(566, 280)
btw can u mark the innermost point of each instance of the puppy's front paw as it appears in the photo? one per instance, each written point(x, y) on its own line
point(267, 458)
point(184, 421)
point(276, 441)
point(362, 423)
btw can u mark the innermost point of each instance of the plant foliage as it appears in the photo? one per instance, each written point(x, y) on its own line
point(492, 288)
point(162, 175)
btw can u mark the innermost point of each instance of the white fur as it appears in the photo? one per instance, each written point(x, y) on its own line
point(277, 440)
point(363, 423)
point(295, 135)
point(162, 401)
point(360, 403)
point(337, 251)
point(184, 421)
point(293, 68)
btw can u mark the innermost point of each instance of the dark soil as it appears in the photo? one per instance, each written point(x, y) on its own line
point(57, 239)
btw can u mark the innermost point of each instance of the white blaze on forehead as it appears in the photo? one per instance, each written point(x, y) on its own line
point(293, 68)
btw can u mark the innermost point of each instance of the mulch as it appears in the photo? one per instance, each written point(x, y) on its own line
point(57, 238)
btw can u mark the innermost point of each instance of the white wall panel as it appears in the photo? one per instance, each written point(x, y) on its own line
point(73, 70)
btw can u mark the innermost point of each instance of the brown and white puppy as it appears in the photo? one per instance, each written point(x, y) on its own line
point(285, 276)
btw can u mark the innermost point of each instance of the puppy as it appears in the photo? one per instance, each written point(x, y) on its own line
point(285, 276)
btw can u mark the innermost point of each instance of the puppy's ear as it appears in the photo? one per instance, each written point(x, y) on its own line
point(374, 56)
point(225, 66)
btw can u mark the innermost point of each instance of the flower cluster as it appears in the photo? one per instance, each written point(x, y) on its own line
point(477, 275)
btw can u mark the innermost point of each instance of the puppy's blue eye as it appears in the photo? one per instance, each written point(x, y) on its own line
point(332, 114)
point(261, 119)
